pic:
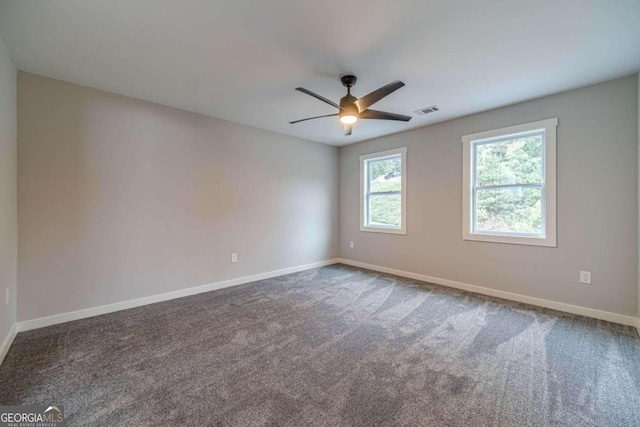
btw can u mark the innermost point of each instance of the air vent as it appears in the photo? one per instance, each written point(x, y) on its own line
point(423, 111)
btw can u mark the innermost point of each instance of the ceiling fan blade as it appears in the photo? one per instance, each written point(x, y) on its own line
point(375, 96)
point(320, 97)
point(311, 118)
point(383, 115)
point(347, 130)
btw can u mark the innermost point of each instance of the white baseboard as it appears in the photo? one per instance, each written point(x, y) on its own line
point(4, 349)
point(42, 322)
point(110, 308)
point(568, 308)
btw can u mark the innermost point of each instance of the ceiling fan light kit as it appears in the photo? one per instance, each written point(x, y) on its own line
point(348, 110)
point(348, 119)
point(351, 109)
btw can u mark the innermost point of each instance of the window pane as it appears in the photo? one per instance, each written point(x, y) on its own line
point(384, 175)
point(515, 161)
point(385, 209)
point(513, 209)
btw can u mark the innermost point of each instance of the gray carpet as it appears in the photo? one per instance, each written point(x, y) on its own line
point(335, 346)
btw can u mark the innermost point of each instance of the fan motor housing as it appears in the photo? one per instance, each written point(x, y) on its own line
point(348, 106)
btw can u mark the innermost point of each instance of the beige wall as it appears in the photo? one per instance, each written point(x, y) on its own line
point(597, 203)
point(8, 191)
point(121, 199)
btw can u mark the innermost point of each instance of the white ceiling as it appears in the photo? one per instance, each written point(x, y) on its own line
point(240, 60)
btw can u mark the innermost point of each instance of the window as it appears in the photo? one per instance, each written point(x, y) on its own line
point(383, 192)
point(509, 185)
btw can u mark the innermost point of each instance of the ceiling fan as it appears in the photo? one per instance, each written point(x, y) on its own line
point(351, 109)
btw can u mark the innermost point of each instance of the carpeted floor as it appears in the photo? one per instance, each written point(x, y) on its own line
point(335, 346)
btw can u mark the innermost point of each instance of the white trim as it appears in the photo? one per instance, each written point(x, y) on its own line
point(42, 322)
point(110, 308)
point(549, 187)
point(387, 153)
point(511, 130)
point(559, 306)
point(8, 340)
point(403, 194)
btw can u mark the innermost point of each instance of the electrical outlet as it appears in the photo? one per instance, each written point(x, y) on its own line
point(351, 245)
point(7, 295)
point(234, 257)
point(585, 277)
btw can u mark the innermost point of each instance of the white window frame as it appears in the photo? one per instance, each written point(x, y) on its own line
point(364, 191)
point(548, 185)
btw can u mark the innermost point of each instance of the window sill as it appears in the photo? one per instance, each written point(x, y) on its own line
point(383, 230)
point(549, 242)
